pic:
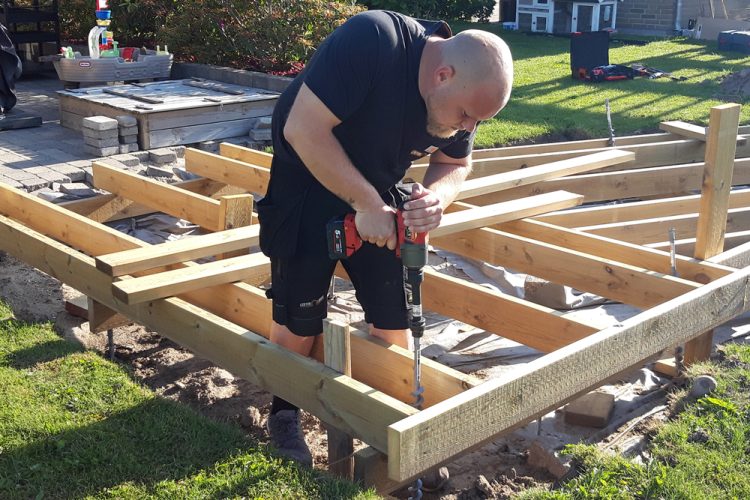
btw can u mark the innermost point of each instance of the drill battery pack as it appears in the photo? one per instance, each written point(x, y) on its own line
point(342, 236)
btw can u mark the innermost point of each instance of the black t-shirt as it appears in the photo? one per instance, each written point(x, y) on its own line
point(366, 72)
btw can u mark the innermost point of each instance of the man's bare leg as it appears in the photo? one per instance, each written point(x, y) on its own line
point(281, 335)
point(398, 337)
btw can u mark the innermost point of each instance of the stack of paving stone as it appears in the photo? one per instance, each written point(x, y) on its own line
point(100, 136)
point(260, 130)
point(128, 133)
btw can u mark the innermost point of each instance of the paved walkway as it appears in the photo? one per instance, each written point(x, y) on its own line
point(35, 158)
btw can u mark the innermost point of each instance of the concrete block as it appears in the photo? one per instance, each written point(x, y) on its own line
point(80, 163)
point(128, 131)
point(128, 160)
point(128, 139)
point(179, 151)
point(50, 195)
point(99, 123)
point(208, 146)
point(101, 143)
point(153, 171)
point(10, 182)
point(99, 152)
point(89, 133)
point(262, 122)
point(260, 135)
point(18, 174)
point(32, 184)
point(125, 121)
point(75, 174)
point(592, 410)
point(162, 155)
point(48, 174)
point(128, 148)
point(542, 458)
point(78, 189)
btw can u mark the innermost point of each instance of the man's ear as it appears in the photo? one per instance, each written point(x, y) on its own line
point(444, 73)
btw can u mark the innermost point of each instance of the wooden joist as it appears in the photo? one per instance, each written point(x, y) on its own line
point(478, 217)
point(186, 279)
point(531, 175)
point(246, 155)
point(688, 130)
point(434, 435)
point(182, 250)
point(253, 178)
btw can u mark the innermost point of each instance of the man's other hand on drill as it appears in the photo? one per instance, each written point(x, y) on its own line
point(377, 226)
point(423, 211)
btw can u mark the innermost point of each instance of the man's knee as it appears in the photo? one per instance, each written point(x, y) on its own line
point(397, 337)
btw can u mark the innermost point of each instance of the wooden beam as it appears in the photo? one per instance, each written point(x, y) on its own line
point(712, 218)
point(627, 253)
point(437, 434)
point(253, 178)
point(738, 257)
point(182, 250)
point(102, 318)
point(336, 399)
point(186, 279)
point(235, 211)
point(110, 207)
point(646, 231)
point(590, 216)
point(336, 341)
point(687, 246)
point(688, 130)
point(374, 363)
point(493, 183)
point(605, 186)
point(162, 197)
point(608, 278)
point(501, 212)
point(247, 155)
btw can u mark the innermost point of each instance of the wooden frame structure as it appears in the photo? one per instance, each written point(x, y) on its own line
point(361, 387)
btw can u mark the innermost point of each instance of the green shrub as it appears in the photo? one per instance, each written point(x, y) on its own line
point(437, 9)
point(134, 22)
point(275, 36)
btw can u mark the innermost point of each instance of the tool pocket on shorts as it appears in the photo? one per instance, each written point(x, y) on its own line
point(280, 225)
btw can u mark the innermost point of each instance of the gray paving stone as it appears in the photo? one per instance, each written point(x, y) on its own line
point(127, 160)
point(153, 171)
point(179, 151)
point(162, 155)
point(99, 134)
point(128, 139)
point(48, 174)
point(75, 174)
point(94, 151)
point(126, 121)
point(99, 123)
point(89, 175)
point(141, 155)
point(113, 162)
point(35, 183)
point(102, 143)
point(11, 182)
point(18, 174)
point(130, 148)
point(57, 154)
point(80, 163)
point(208, 146)
point(128, 131)
point(77, 189)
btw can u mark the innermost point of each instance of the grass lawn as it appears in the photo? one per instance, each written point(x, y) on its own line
point(546, 101)
point(701, 454)
point(73, 425)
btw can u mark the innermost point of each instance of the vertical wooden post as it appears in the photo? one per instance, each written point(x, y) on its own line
point(235, 210)
point(721, 146)
point(337, 355)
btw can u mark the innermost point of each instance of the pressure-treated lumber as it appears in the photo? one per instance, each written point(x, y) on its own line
point(253, 178)
point(531, 175)
point(627, 253)
point(438, 433)
point(337, 356)
point(646, 231)
point(179, 281)
point(162, 197)
point(386, 367)
point(687, 246)
point(687, 130)
point(628, 284)
point(182, 250)
point(737, 257)
point(642, 183)
point(102, 318)
point(590, 216)
point(712, 218)
point(246, 155)
point(491, 214)
point(340, 401)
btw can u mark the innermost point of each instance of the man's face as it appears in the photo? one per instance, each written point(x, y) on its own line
point(436, 119)
point(454, 107)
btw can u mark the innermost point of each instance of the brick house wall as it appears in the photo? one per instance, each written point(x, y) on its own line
point(657, 16)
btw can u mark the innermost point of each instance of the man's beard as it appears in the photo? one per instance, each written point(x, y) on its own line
point(439, 131)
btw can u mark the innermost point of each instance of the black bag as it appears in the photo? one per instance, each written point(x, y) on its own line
point(611, 72)
point(588, 49)
point(10, 66)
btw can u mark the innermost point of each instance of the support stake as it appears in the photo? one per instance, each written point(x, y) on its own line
point(337, 355)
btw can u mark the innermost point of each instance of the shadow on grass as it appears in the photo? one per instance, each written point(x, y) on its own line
point(39, 353)
point(151, 442)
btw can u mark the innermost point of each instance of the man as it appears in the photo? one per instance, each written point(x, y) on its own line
point(381, 91)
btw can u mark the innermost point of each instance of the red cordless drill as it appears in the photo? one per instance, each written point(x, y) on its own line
point(411, 247)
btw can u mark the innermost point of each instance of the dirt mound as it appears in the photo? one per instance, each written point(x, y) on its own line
point(736, 86)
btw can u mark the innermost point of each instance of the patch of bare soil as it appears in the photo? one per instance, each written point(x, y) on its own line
point(736, 86)
point(498, 470)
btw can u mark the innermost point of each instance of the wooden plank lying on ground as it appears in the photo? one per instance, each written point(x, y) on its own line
point(179, 281)
point(196, 208)
point(387, 367)
point(436, 434)
point(246, 155)
point(501, 212)
point(253, 178)
point(590, 216)
point(182, 250)
point(627, 253)
point(531, 175)
point(341, 401)
point(628, 284)
point(605, 186)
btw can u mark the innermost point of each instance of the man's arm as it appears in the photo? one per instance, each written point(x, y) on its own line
point(309, 129)
point(442, 183)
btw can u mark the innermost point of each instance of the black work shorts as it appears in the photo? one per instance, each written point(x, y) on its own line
point(301, 269)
